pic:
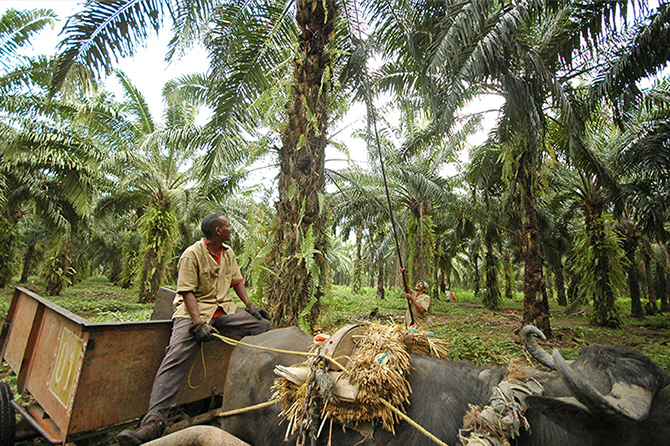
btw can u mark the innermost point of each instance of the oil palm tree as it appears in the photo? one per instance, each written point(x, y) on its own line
point(104, 31)
point(525, 51)
point(53, 171)
point(51, 167)
point(642, 116)
point(51, 156)
point(641, 152)
point(626, 59)
point(561, 217)
point(599, 258)
point(16, 30)
point(418, 194)
point(152, 183)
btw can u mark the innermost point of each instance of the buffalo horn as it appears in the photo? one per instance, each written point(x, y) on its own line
point(531, 345)
point(625, 400)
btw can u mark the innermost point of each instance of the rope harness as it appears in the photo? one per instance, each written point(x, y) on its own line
point(321, 384)
point(503, 417)
point(494, 425)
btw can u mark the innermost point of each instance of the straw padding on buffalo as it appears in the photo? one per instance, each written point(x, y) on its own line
point(377, 368)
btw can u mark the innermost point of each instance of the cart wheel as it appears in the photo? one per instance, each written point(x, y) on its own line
point(7, 415)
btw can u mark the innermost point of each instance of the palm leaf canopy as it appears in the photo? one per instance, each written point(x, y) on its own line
point(108, 30)
point(641, 52)
point(16, 30)
point(53, 168)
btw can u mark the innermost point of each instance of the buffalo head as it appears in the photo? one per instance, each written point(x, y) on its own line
point(613, 394)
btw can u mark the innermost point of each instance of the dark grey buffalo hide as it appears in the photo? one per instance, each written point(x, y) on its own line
point(608, 396)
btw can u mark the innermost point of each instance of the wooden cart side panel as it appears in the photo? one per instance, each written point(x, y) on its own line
point(119, 369)
point(57, 360)
point(118, 372)
point(18, 328)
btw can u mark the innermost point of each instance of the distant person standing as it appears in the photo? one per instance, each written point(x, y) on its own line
point(419, 305)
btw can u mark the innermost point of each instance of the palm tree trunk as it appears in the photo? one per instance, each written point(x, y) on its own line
point(560, 286)
point(299, 218)
point(129, 259)
point(535, 300)
point(159, 227)
point(477, 276)
point(492, 295)
point(603, 299)
point(508, 269)
point(634, 286)
point(436, 270)
point(357, 279)
point(420, 240)
point(381, 291)
point(150, 277)
point(574, 292)
point(60, 271)
point(27, 263)
point(631, 241)
point(663, 289)
point(8, 237)
point(651, 289)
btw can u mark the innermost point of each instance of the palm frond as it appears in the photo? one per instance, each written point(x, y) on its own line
point(645, 52)
point(105, 32)
point(192, 88)
point(16, 30)
point(247, 44)
point(189, 21)
point(32, 74)
point(136, 104)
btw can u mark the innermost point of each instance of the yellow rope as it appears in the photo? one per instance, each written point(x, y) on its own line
point(208, 416)
point(204, 370)
point(247, 409)
point(416, 425)
point(231, 341)
point(312, 354)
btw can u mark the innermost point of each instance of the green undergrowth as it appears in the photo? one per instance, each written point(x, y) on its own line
point(94, 299)
point(472, 332)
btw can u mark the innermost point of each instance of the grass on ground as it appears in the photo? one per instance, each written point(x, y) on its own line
point(484, 336)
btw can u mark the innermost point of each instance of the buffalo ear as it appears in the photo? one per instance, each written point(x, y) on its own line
point(568, 413)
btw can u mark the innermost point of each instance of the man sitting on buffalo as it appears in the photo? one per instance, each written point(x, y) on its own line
point(203, 306)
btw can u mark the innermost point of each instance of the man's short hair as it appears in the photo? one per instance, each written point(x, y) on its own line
point(210, 223)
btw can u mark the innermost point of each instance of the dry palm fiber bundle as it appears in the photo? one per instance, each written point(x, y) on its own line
point(425, 344)
point(292, 399)
point(379, 368)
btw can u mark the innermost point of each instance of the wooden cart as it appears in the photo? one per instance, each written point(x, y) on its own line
point(87, 378)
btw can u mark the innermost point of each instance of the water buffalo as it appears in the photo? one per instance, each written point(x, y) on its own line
point(609, 395)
